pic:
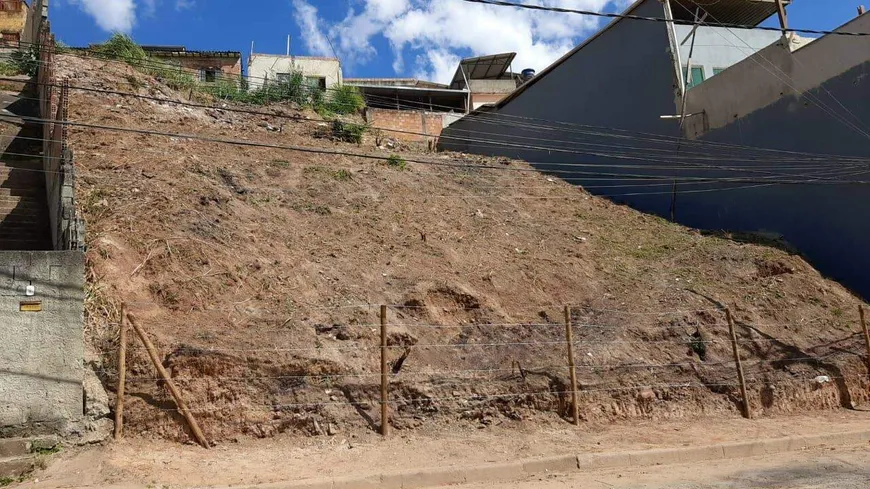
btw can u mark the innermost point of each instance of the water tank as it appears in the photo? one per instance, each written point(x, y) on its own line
point(528, 74)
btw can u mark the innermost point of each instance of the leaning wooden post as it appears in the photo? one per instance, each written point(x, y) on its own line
point(385, 422)
point(176, 394)
point(866, 335)
point(122, 377)
point(746, 412)
point(569, 338)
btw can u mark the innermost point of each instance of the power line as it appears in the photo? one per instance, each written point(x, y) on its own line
point(658, 138)
point(661, 19)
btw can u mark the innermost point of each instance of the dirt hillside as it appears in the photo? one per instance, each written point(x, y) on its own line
point(258, 271)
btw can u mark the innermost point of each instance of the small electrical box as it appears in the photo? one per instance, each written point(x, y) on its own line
point(30, 306)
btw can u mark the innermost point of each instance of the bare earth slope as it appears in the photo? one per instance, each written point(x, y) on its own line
point(258, 272)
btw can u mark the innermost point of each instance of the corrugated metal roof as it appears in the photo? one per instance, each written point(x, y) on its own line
point(743, 12)
point(488, 67)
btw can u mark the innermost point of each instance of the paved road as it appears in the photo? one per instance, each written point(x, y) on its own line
point(846, 468)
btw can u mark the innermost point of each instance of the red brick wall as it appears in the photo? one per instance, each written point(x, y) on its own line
point(426, 125)
point(228, 66)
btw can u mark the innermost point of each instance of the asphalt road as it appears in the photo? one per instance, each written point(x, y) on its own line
point(845, 468)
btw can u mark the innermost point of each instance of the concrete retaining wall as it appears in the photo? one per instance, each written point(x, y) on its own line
point(41, 359)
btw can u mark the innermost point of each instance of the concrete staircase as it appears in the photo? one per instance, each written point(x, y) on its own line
point(19, 456)
point(24, 218)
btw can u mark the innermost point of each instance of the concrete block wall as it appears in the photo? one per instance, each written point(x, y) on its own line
point(426, 125)
point(41, 367)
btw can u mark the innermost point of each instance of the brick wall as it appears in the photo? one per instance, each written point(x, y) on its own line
point(427, 125)
point(229, 66)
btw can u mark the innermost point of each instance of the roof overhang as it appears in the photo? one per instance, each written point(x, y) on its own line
point(742, 12)
point(385, 96)
point(491, 67)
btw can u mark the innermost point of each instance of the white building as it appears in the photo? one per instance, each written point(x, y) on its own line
point(318, 71)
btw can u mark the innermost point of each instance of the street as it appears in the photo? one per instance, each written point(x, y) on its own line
point(847, 468)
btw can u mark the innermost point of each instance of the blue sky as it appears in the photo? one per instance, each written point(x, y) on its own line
point(422, 38)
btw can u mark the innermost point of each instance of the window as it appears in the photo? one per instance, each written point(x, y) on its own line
point(316, 82)
point(716, 71)
point(208, 75)
point(697, 76)
point(283, 77)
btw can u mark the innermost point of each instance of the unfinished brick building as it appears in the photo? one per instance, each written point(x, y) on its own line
point(210, 66)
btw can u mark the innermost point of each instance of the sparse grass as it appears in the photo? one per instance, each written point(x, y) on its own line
point(397, 162)
point(280, 163)
point(134, 82)
point(6, 481)
point(341, 175)
point(313, 208)
point(46, 450)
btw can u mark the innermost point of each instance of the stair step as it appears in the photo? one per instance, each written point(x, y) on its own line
point(15, 467)
point(21, 191)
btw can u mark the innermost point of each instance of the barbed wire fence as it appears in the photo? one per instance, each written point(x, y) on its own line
point(737, 378)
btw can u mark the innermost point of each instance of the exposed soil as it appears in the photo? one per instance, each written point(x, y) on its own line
point(138, 463)
point(258, 271)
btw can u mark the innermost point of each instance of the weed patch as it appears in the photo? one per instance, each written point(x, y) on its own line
point(397, 162)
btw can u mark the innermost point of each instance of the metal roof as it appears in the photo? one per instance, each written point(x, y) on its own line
point(743, 12)
point(181, 51)
point(385, 96)
point(491, 67)
point(394, 82)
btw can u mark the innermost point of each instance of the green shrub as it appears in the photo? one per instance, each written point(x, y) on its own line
point(27, 61)
point(345, 99)
point(348, 131)
point(397, 162)
point(122, 46)
point(8, 69)
point(61, 47)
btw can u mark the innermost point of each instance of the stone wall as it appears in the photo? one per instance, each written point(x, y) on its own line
point(41, 367)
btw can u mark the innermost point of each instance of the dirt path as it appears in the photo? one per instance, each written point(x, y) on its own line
point(139, 463)
point(813, 469)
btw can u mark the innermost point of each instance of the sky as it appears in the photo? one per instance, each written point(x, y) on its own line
point(374, 38)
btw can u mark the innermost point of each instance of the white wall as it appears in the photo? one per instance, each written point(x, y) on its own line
point(717, 48)
point(268, 66)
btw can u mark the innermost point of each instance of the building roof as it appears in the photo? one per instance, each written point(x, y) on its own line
point(491, 67)
point(413, 97)
point(394, 82)
point(743, 12)
point(728, 9)
point(181, 51)
point(294, 57)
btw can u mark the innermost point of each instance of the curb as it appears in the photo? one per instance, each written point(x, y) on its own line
point(512, 471)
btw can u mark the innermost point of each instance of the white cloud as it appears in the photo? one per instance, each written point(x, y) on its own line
point(112, 15)
point(310, 25)
point(437, 33)
point(120, 15)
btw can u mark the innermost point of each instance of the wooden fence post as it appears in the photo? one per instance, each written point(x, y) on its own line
point(569, 338)
point(866, 335)
point(122, 377)
point(385, 422)
point(746, 411)
point(176, 394)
